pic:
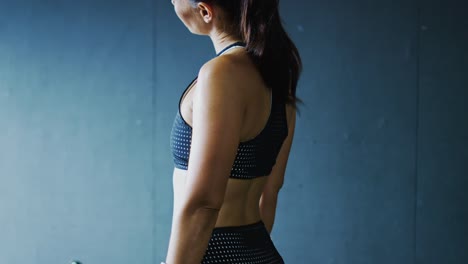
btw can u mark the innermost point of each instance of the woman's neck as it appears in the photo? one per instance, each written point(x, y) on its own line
point(221, 41)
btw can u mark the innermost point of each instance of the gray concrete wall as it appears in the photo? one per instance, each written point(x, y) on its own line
point(377, 173)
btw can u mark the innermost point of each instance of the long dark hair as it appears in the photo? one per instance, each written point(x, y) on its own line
point(259, 24)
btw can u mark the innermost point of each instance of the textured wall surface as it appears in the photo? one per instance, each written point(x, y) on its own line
point(442, 190)
point(378, 167)
point(76, 176)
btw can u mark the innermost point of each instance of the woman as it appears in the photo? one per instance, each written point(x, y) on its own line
point(232, 134)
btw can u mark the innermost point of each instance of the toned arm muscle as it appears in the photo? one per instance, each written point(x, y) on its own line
point(275, 180)
point(217, 117)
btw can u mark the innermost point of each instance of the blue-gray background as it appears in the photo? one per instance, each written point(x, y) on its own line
point(378, 168)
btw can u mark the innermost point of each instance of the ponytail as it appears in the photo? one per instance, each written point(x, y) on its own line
point(254, 25)
point(270, 47)
point(259, 24)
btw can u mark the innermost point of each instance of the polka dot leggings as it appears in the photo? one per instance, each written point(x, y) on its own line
point(248, 244)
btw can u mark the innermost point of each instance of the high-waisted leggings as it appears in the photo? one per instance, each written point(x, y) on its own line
point(248, 244)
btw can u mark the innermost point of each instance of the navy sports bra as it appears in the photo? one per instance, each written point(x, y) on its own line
point(254, 158)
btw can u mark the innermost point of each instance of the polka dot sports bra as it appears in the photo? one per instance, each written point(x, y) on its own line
point(255, 157)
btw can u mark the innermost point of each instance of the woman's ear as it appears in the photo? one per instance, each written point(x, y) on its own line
point(205, 11)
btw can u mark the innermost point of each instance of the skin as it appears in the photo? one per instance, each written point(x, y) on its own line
point(204, 195)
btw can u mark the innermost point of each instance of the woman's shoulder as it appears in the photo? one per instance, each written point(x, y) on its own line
point(223, 77)
point(232, 70)
point(227, 71)
point(226, 66)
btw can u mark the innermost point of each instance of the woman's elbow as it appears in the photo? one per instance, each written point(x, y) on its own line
point(205, 204)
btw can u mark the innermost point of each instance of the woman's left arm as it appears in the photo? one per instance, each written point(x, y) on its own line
point(217, 116)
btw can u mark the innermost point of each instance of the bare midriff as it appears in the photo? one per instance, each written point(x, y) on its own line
point(241, 201)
